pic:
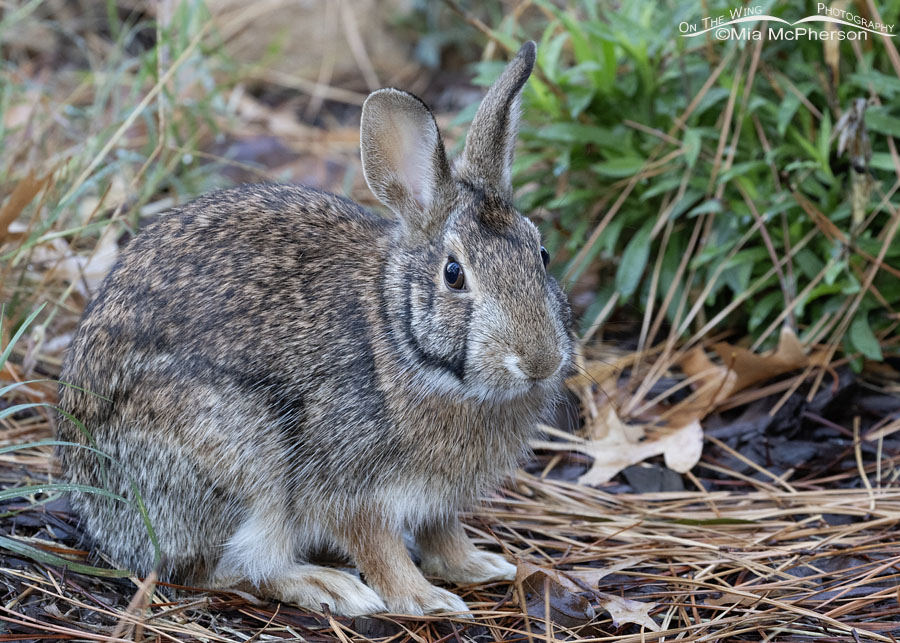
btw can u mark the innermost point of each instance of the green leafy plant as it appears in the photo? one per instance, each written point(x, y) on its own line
point(700, 180)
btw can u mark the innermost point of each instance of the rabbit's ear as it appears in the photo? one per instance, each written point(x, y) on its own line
point(403, 156)
point(488, 154)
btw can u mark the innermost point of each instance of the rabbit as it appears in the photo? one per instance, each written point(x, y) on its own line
point(275, 371)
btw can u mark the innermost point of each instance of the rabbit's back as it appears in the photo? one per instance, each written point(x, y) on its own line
point(209, 277)
point(227, 284)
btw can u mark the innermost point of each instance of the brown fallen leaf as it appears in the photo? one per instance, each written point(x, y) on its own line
point(24, 192)
point(549, 588)
point(752, 368)
point(562, 591)
point(673, 431)
point(566, 609)
point(728, 599)
point(715, 383)
point(575, 580)
point(588, 579)
point(742, 368)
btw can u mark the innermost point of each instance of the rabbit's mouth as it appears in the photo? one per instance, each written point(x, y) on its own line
point(539, 384)
point(505, 389)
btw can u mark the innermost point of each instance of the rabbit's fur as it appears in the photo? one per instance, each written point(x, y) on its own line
point(282, 371)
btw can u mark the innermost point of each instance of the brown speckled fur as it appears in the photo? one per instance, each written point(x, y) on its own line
point(285, 371)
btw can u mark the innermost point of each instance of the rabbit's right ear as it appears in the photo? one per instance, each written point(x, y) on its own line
point(403, 157)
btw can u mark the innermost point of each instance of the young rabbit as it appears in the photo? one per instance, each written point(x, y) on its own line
point(284, 372)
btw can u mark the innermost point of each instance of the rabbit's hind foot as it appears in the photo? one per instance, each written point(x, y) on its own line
point(311, 586)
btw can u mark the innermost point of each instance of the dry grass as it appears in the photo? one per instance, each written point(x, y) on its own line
point(759, 562)
point(762, 557)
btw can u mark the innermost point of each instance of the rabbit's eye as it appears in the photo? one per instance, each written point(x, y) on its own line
point(453, 275)
point(545, 256)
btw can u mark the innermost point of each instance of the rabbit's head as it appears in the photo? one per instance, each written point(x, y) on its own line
point(469, 300)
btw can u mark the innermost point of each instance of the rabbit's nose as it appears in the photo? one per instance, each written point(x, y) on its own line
point(539, 365)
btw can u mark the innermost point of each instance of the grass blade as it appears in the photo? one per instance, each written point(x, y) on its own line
point(46, 557)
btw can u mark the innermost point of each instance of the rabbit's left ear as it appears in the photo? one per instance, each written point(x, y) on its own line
point(488, 154)
point(403, 157)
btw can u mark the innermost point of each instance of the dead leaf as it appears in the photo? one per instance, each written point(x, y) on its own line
point(676, 432)
point(590, 578)
point(24, 192)
point(575, 580)
point(623, 610)
point(608, 426)
point(752, 368)
point(680, 448)
point(566, 609)
point(742, 368)
point(714, 385)
point(548, 588)
point(562, 591)
point(728, 600)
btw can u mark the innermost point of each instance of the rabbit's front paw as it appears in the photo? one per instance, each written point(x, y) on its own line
point(477, 567)
point(431, 600)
